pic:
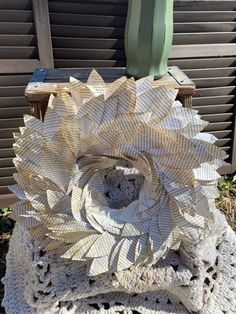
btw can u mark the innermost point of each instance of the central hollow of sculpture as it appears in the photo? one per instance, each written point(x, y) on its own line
point(122, 185)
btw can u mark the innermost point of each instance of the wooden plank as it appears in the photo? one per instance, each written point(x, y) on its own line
point(6, 162)
point(18, 65)
point(16, 5)
point(84, 8)
point(18, 52)
point(14, 112)
point(211, 50)
point(219, 126)
point(204, 38)
point(204, 16)
point(87, 31)
point(5, 91)
point(119, 21)
point(10, 80)
point(65, 63)
point(210, 72)
point(87, 43)
point(215, 81)
point(82, 20)
point(6, 142)
point(19, 40)
point(16, 16)
point(198, 27)
point(204, 5)
point(213, 100)
point(82, 73)
point(7, 102)
point(7, 132)
point(92, 54)
point(224, 142)
point(42, 25)
point(203, 63)
point(16, 28)
point(6, 180)
point(13, 123)
point(215, 108)
point(6, 153)
point(219, 117)
point(221, 134)
point(215, 91)
point(7, 171)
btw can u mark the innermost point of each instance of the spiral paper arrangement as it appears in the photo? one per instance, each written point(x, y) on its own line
point(97, 129)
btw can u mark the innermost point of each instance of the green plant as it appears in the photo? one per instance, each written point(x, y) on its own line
point(5, 223)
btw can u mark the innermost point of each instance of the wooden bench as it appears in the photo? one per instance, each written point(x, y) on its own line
point(46, 81)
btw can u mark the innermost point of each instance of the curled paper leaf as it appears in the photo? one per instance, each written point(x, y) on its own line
point(116, 175)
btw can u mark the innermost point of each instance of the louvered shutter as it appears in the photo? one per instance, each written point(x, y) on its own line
point(19, 57)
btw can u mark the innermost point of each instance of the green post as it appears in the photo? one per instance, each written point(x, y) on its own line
point(148, 37)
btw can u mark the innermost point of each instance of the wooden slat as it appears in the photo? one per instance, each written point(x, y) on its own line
point(18, 52)
point(218, 126)
point(10, 80)
point(224, 142)
point(206, 16)
point(215, 109)
point(204, 5)
point(8, 102)
point(7, 132)
point(204, 38)
point(215, 91)
point(92, 54)
point(222, 134)
point(87, 43)
point(215, 81)
point(63, 63)
point(19, 40)
point(16, 28)
point(16, 16)
point(7, 171)
point(6, 91)
point(13, 122)
point(6, 142)
point(83, 73)
point(213, 100)
point(210, 72)
point(204, 63)
point(6, 153)
point(6, 162)
point(6, 180)
point(198, 27)
point(87, 31)
point(86, 19)
point(211, 50)
point(14, 112)
point(18, 66)
point(84, 8)
point(16, 5)
point(220, 117)
point(42, 25)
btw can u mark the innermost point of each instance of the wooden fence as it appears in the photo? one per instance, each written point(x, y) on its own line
point(89, 33)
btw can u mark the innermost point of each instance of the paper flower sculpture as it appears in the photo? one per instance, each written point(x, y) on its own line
point(116, 175)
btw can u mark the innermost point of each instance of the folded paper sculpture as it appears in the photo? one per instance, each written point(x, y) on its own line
point(115, 181)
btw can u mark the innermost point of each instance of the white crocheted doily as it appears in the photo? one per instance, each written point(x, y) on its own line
point(198, 279)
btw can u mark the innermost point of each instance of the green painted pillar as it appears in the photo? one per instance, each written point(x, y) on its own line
point(148, 37)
